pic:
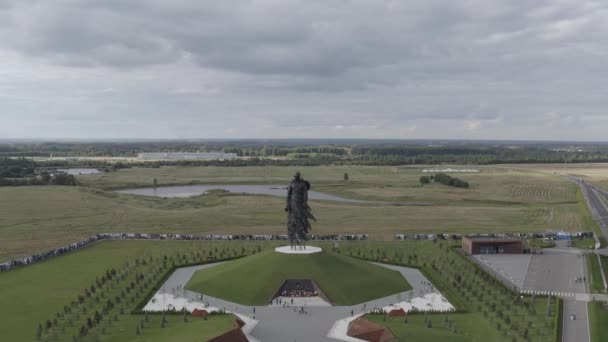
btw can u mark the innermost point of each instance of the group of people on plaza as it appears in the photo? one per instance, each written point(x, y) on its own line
point(299, 293)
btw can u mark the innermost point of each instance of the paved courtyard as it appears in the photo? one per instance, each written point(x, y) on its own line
point(277, 323)
point(556, 272)
point(553, 272)
point(512, 267)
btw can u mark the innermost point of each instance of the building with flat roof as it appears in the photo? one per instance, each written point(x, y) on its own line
point(186, 156)
point(492, 245)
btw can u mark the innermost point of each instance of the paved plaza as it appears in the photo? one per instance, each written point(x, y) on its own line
point(556, 272)
point(511, 267)
point(277, 323)
point(551, 273)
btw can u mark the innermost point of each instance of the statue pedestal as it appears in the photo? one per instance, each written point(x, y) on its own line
point(298, 250)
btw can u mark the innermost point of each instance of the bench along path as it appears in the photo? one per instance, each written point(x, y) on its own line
point(276, 323)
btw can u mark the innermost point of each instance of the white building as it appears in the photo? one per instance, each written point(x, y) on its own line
point(186, 156)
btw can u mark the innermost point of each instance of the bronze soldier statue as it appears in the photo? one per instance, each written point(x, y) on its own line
point(298, 211)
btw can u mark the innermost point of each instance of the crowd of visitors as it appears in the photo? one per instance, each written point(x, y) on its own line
point(299, 293)
point(258, 237)
point(49, 254)
point(155, 236)
point(550, 235)
point(261, 237)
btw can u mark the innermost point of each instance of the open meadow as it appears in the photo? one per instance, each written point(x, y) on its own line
point(500, 199)
point(54, 292)
point(33, 294)
point(598, 321)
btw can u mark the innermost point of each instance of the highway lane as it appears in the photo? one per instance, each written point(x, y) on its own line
point(576, 319)
point(595, 204)
point(576, 326)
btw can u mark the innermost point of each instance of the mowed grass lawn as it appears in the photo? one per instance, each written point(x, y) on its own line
point(501, 199)
point(195, 330)
point(344, 280)
point(598, 321)
point(33, 294)
point(470, 327)
point(596, 283)
point(510, 184)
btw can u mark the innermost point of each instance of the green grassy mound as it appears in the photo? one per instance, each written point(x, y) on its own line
point(196, 329)
point(254, 279)
point(469, 328)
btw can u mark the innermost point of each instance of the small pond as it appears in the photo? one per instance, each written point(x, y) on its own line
point(195, 190)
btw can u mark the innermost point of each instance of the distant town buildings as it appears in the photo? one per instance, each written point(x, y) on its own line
point(186, 156)
point(450, 170)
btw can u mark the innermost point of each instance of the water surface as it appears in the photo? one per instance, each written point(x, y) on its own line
point(184, 191)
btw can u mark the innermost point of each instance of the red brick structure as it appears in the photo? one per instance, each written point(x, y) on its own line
point(397, 313)
point(200, 313)
point(234, 335)
point(369, 331)
point(488, 245)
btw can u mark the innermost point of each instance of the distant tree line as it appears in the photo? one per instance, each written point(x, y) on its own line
point(44, 178)
point(316, 152)
point(444, 179)
point(21, 171)
point(16, 168)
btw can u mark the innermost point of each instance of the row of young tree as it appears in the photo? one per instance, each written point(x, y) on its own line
point(470, 289)
point(123, 290)
point(444, 179)
point(44, 178)
point(16, 167)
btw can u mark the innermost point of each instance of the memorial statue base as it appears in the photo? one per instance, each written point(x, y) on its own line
point(298, 250)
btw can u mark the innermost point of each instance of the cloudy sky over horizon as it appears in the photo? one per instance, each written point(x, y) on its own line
point(468, 69)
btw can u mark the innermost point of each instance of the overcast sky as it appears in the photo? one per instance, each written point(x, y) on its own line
point(474, 69)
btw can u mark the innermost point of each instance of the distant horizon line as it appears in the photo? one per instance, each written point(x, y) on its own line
point(431, 140)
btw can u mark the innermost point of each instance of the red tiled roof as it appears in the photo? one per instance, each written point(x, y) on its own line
point(397, 313)
point(200, 313)
point(369, 331)
point(234, 335)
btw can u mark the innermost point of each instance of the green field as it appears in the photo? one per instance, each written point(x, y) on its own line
point(33, 294)
point(344, 280)
point(596, 284)
point(468, 288)
point(598, 321)
point(586, 243)
point(469, 328)
point(36, 293)
point(195, 330)
point(501, 199)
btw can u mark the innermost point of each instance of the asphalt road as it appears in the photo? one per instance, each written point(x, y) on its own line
point(577, 329)
point(595, 204)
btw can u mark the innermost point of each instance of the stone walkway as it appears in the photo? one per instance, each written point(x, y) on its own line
point(276, 323)
point(512, 267)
